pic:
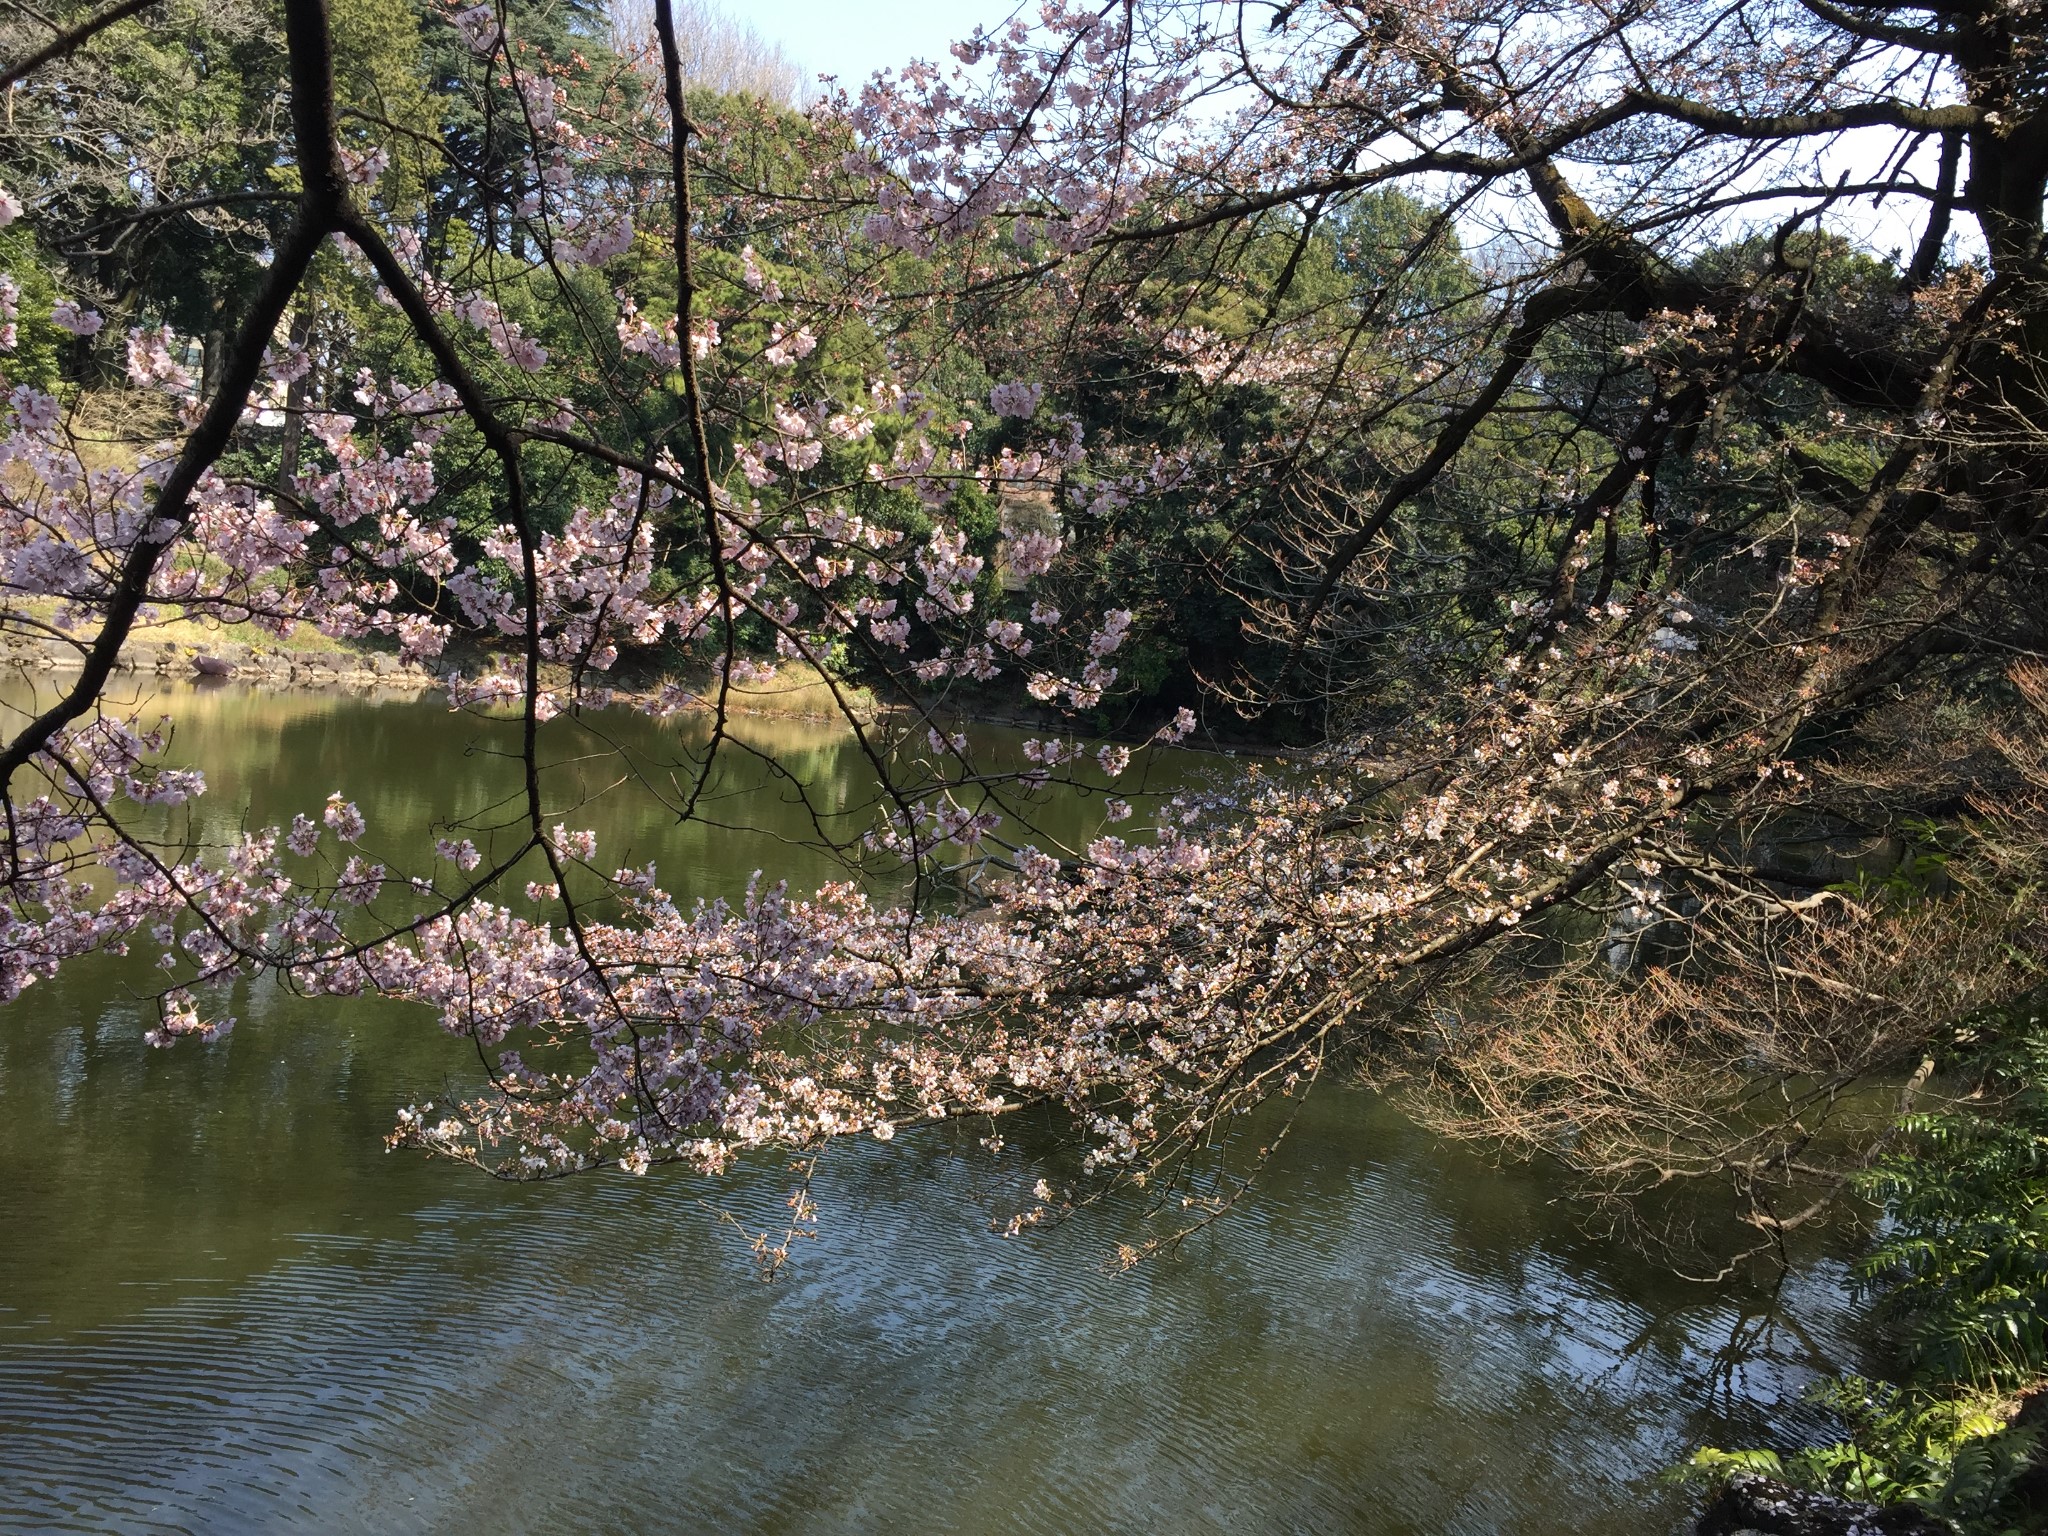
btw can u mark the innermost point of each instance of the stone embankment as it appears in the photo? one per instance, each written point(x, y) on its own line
point(267, 666)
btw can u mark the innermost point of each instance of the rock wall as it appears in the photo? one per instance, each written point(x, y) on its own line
point(271, 666)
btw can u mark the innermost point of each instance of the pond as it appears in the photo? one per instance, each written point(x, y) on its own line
point(223, 1306)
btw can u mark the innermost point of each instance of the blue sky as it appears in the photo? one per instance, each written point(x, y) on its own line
point(854, 38)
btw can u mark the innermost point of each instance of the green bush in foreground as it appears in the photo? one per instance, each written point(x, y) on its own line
point(1960, 1272)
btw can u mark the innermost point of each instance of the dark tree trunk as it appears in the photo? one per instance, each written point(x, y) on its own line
point(295, 404)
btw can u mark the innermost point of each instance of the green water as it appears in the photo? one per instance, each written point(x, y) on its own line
point(223, 1307)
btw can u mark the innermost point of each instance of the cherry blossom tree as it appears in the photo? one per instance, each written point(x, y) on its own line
point(704, 405)
point(1633, 545)
point(1651, 531)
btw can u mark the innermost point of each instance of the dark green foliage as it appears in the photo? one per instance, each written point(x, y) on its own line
point(1960, 1272)
point(1962, 1266)
point(1955, 1457)
point(38, 345)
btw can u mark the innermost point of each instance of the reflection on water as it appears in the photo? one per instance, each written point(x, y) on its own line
point(221, 1306)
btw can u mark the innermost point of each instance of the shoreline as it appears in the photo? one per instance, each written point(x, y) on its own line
point(282, 666)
